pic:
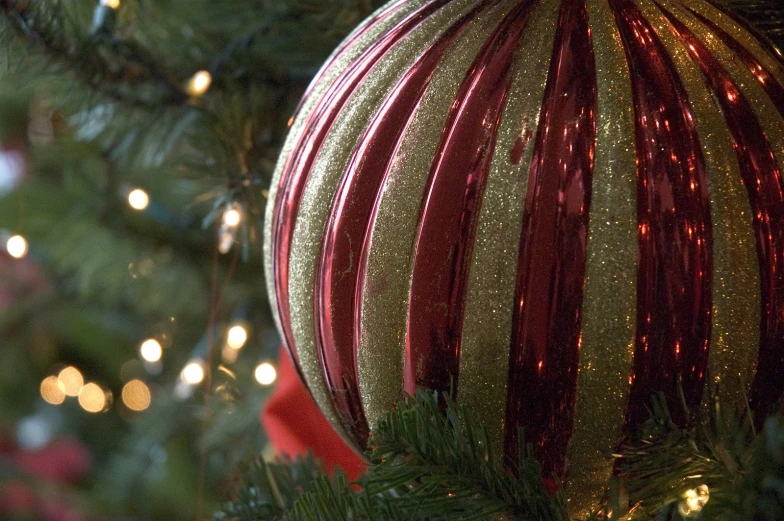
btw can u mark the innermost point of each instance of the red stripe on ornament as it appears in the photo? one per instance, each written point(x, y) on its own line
point(296, 171)
point(544, 352)
point(772, 87)
point(762, 178)
point(448, 217)
point(674, 228)
point(338, 293)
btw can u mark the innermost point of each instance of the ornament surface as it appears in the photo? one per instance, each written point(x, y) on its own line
point(558, 207)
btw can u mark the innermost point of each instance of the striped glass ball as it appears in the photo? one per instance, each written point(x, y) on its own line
point(558, 207)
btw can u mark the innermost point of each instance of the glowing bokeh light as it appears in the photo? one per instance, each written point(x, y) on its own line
point(70, 381)
point(199, 83)
point(16, 246)
point(92, 398)
point(266, 374)
point(193, 373)
point(151, 350)
point(51, 392)
point(232, 217)
point(136, 395)
point(237, 336)
point(138, 199)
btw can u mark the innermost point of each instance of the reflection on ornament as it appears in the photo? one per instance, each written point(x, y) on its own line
point(136, 395)
point(92, 398)
point(51, 391)
point(560, 208)
point(138, 199)
point(237, 336)
point(70, 381)
point(199, 83)
point(193, 372)
point(151, 350)
point(265, 374)
point(16, 246)
point(694, 500)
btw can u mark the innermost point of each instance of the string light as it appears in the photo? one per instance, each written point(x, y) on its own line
point(138, 199)
point(193, 372)
point(237, 336)
point(266, 374)
point(199, 83)
point(136, 395)
point(694, 500)
point(111, 4)
point(151, 350)
point(230, 223)
point(70, 381)
point(92, 398)
point(51, 392)
point(16, 246)
point(232, 217)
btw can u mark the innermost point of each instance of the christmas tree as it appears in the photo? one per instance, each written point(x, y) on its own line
point(138, 147)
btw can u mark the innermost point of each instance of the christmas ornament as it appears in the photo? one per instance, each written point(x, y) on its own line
point(556, 207)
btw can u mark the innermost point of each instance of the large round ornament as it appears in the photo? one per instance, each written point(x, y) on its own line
point(559, 207)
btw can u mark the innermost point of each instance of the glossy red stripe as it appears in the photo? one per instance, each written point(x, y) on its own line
point(772, 87)
point(675, 256)
point(337, 303)
point(762, 177)
point(296, 171)
point(551, 267)
point(451, 208)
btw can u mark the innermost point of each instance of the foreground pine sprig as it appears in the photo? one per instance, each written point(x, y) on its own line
point(429, 461)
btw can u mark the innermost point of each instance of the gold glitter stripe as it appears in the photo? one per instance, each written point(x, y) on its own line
point(323, 183)
point(610, 298)
point(297, 127)
point(743, 36)
point(387, 284)
point(487, 326)
point(735, 335)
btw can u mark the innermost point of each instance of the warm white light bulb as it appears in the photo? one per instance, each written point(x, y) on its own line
point(193, 373)
point(70, 381)
point(151, 350)
point(199, 83)
point(51, 392)
point(237, 336)
point(136, 395)
point(16, 246)
point(138, 199)
point(232, 217)
point(266, 374)
point(92, 398)
point(694, 500)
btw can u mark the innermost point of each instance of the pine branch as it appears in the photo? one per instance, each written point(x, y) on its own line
point(106, 65)
point(443, 456)
point(427, 464)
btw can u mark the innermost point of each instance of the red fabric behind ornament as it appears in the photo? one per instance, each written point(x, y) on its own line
point(295, 425)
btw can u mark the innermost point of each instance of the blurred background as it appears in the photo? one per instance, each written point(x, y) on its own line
point(137, 142)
